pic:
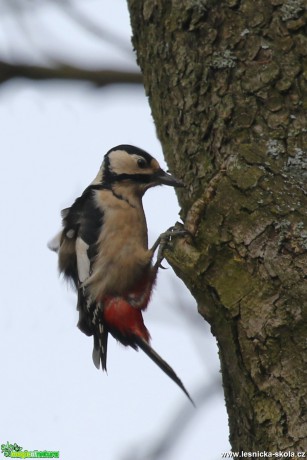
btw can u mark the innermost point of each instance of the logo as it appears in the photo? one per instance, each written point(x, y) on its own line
point(15, 451)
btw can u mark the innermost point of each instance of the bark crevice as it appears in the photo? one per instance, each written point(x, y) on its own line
point(228, 91)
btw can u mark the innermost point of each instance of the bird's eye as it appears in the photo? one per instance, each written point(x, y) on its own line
point(142, 163)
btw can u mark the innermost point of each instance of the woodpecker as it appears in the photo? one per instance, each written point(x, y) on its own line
point(103, 251)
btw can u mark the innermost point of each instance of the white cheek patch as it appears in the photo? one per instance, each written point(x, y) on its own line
point(121, 162)
point(83, 262)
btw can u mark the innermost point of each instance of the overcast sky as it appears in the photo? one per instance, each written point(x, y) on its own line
point(53, 138)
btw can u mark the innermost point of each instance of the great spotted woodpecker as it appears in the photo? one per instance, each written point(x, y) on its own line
point(103, 250)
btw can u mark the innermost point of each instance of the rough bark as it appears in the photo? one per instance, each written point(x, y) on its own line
point(227, 84)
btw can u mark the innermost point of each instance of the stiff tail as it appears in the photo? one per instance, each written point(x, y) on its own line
point(162, 364)
point(100, 348)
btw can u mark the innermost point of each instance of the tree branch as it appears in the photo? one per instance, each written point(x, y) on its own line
point(98, 77)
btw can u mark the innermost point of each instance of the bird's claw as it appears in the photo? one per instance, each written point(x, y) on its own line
point(163, 241)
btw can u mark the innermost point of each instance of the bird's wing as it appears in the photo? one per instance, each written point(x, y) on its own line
point(82, 224)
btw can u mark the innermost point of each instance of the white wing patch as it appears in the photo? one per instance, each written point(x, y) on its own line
point(54, 244)
point(83, 262)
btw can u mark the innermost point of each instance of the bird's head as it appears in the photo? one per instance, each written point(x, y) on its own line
point(129, 166)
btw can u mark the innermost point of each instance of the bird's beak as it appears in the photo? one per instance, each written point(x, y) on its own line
point(162, 177)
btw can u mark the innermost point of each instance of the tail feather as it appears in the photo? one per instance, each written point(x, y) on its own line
point(152, 354)
point(100, 348)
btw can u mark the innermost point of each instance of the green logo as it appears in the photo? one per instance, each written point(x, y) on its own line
point(15, 451)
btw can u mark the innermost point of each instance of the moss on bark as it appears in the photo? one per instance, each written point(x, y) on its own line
point(227, 84)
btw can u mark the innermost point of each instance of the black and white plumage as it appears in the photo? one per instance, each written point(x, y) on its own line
point(103, 247)
point(103, 251)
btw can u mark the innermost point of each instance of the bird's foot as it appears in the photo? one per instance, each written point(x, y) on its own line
point(164, 240)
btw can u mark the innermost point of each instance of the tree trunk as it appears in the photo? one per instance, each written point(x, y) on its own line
point(227, 84)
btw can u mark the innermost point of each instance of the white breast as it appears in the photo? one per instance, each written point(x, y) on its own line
point(122, 246)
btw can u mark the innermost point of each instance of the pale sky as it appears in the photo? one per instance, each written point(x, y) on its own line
point(52, 142)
